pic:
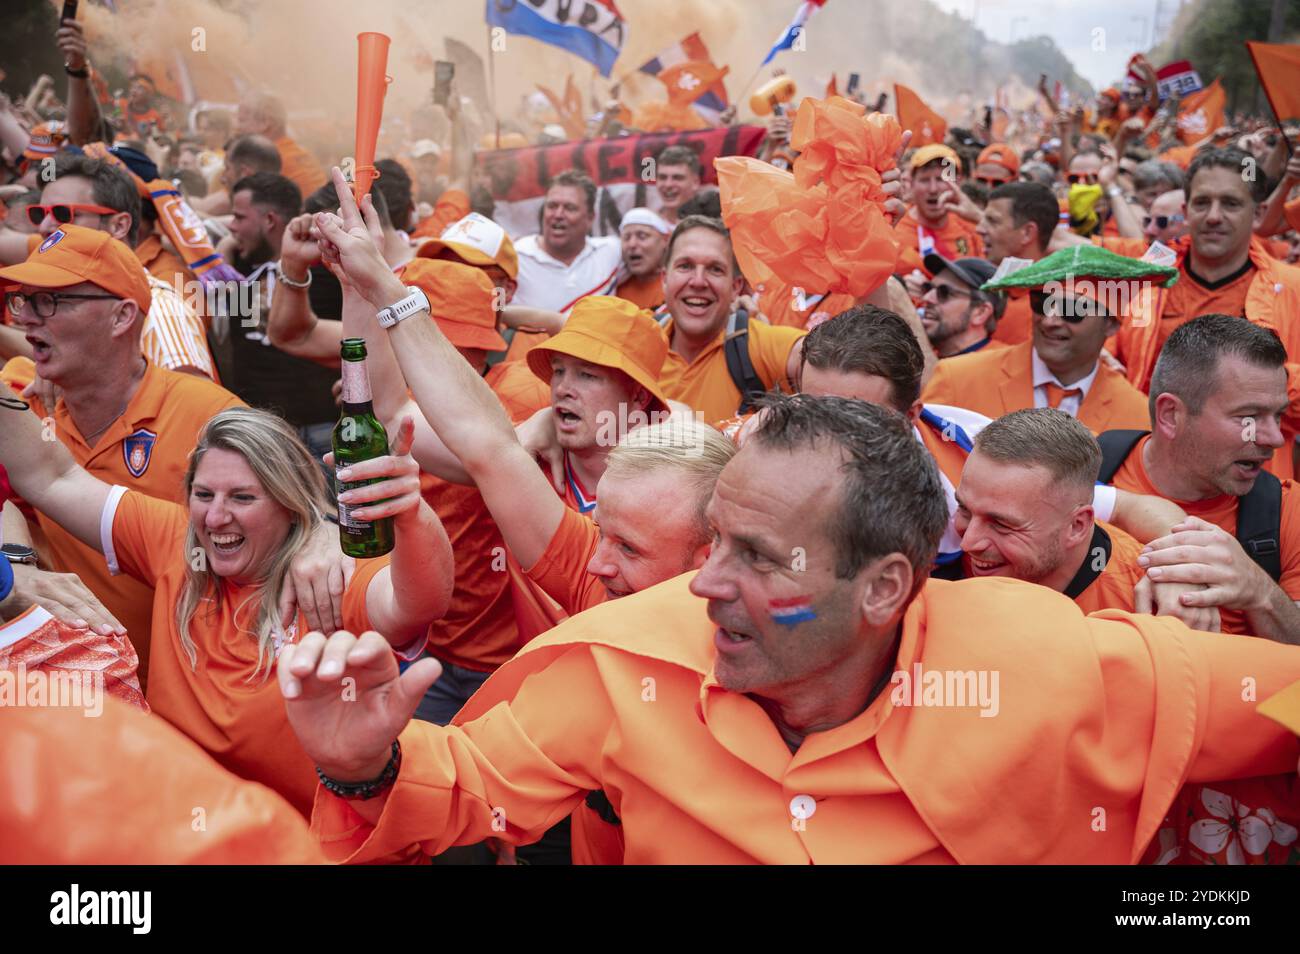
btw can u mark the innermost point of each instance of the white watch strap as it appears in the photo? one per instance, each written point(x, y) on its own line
point(414, 302)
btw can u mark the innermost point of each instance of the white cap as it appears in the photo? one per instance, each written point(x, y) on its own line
point(425, 147)
point(555, 131)
point(643, 216)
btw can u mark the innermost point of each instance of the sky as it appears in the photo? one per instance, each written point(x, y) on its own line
point(1100, 57)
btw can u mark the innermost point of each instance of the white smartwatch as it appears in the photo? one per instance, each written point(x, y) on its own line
point(414, 302)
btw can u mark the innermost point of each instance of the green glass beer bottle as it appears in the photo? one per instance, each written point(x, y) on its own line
point(359, 436)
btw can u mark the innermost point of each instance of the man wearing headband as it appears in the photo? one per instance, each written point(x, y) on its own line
point(644, 236)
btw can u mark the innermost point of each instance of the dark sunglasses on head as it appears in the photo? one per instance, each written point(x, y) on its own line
point(1086, 178)
point(1161, 221)
point(943, 293)
point(64, 212)
point(1071, 310)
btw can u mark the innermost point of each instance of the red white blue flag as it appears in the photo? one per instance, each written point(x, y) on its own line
point(787, 39)
point(591, 29)
point(692, 48)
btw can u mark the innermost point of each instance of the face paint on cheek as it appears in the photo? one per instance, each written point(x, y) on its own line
point(791, 611)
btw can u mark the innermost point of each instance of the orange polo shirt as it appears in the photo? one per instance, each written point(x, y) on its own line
point(300, 167)
point(624, 699)
point(644, 292)
point(236, 717)
point(956, 238)
point(479, 630)
point(1222, 512)
point(146, 449)
point(705, 383)
point(128, 789)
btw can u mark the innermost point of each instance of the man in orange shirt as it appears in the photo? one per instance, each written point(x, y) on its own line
point(701, 283)
point(1217, 395)
point(788, 722)
point(1018, 222)
point(1024, 510)
point(959, 318)
point(932, 224)
point(644, 236)
point(1074, 312)
point(264, 115)
point(123, 418)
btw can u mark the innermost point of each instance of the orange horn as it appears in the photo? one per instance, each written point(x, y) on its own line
point(372, 84)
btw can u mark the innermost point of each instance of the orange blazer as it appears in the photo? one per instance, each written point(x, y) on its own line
point(994, 383)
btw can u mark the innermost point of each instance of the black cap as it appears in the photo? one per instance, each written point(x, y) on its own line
point(974, 272)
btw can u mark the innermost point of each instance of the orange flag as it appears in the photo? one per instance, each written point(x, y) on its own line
point(833, 87)
point(690, 80)
point(1202, 112)
point(568, 109)
point(927, 126)
point(1278, 65)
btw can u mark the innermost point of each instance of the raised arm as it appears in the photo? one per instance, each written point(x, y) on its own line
point(293, 327)
point(458, 404)
point(44, 474)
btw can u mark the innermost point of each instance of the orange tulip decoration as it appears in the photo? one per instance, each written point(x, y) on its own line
point(372, 84)
point(822, 227)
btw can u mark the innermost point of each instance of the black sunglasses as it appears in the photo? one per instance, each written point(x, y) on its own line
point(943, 293)
point(1161, 221)
point(1068, 309)
point(44, 303)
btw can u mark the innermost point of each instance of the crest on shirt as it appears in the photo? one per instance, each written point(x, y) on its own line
point(137, 450)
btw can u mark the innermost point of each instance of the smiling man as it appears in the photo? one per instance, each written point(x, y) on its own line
point(701, 283)
point(1074, 310)
point(753, 711)
point(1217, 398)
point(677, 179)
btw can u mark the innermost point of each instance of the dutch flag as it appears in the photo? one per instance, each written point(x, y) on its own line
point(790, 612)
point(591, 29)
point(712, 103)
point(786, 40)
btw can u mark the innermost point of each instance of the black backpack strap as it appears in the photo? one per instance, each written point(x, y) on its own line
point(739, 365)
point(1259, 524)
point(1115, 448)
point(599, 803)
point(1094, 562)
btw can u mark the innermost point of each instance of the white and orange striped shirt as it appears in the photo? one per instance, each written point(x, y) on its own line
point(173, 333)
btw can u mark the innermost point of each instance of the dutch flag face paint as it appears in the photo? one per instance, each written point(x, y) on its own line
point(791, 611)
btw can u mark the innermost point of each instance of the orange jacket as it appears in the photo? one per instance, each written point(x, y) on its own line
point(994, 383)
point(127, 788)
point(623, 699)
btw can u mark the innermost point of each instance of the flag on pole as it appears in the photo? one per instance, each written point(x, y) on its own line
point(713, 101)
point(927, 126)
point(1201, 113)
point(593, 30)
point(787, 39)
point(1278, 66)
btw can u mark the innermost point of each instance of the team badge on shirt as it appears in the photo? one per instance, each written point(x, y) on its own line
point(137, 451)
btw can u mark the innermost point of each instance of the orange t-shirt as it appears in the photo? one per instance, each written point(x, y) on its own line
point(236, 716)
point(1113, 587)
point(562, 569)
point(300, 167)
point(1128, 247)
point(146, 449)
point(452, 206)
point(956, 238)
point(1189, 299)
point(478, 631)
point(782, 304)
point(644, 292)
point(705, 384)
point(128, 789)
point(163, 265)
point(1222, 512)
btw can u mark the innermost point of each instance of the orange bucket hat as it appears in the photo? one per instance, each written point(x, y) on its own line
point(73, 254)
point(613, 333)
point(461, 299)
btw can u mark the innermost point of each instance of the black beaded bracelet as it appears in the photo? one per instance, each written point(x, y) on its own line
point(364, 791)
point(83, 73)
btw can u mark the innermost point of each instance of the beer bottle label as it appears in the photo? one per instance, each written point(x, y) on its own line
point(346, 520)
point(356, 383)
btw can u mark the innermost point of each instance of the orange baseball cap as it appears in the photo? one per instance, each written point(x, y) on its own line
point(936, 150)
point(475, 239)
point(72, 254)
point(46, 139)
point(461, 299)
point(613, 333)
point(1000, 154)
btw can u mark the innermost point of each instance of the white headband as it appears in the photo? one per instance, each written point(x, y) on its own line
point(643, 216)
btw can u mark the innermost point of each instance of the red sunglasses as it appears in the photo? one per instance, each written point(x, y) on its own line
point(64, 212)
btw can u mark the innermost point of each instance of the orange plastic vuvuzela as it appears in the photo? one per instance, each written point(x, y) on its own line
point(372, 84)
